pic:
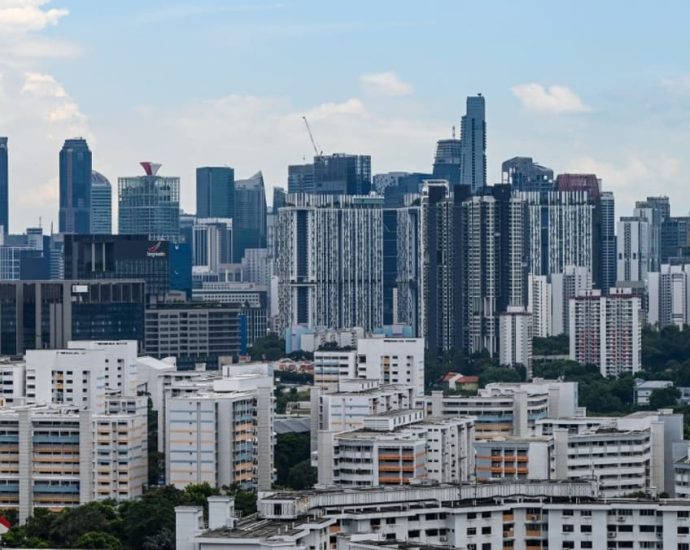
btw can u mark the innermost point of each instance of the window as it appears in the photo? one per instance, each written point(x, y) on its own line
point(567, 528)
point(471, 531)
point(585, 528)
point(586, 544)
point(486, 530)
point(683, 530)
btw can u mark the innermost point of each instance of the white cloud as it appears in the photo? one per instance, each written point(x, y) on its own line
point(28, 15)
point(679, 84)
point(552, 99)
point(42, 85)
point(387, 83)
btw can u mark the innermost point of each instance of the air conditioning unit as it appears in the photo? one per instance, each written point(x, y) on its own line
point(621, 519)
point(612, 534)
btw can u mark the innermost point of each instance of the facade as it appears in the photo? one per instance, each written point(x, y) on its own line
point(58, 457)
point(249, 221)
point(198, 332)
point(655, 210)
point(668, 294)
point(4, 186)
point(392, 361)
point(608, 241)
point(515, 337)
point(564, 287)
point(447, 161)
point(332, 366)
point(231, 293)
point(675, 238)
point(101, 204)
point(473, 147)
point(539, 304)
point(48, 314)
point(513, 458)
point(517, 514)
point(300, 178)
point(222, 437)
point(606, 331)
point(480, 277)
point(215, 192)
point(633, 249)
point(523, 174)
point(330, 262)
point(212, 243)
point(399, 448)
point(342, 174)
point(150, 205)
point(75, 187)
point(163, 265)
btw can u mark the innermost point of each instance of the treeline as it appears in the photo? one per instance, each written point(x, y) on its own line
point(147, 523)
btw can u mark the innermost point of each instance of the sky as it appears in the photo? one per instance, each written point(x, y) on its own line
point(585, 86)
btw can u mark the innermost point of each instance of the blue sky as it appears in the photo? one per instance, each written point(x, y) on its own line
point(587, 86)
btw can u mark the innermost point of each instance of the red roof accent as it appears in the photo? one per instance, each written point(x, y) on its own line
point(5, 522)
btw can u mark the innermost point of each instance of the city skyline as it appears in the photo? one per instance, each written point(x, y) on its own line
point(604, 103)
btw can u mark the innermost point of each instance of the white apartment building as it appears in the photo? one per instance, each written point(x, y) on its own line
point(223, 436)
point(513, 458)
point(539, 304)
point(120, 362)
point(606, 331)
point(520, 515)
point(332, 366)
point(56, 457)
point(507, 409)
point(668, 292)
point(392, 361)
point(12, 382)
point(398, 448)
point(515, 338)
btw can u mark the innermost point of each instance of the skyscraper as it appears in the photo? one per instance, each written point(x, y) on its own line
point(330, 262)
point(249, 222)
point(215, 192)
point(608, 241)
point(633, 249)
point(75, 187)
point(447, 161)
point(4, 186)
point(300, 178)
point(526, 175)
point(342, 174)
point(655, 210)
point(473, 136)
point(101, 204)
point(150, 205)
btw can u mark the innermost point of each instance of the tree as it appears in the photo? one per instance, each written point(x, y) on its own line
point(94, 539)
point(302, 476)
point(269, 348)
point(500, 374)
point(551, 345)
point(290, 449)
point(664, 397)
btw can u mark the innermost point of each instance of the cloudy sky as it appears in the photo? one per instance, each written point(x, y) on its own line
point(579, 86)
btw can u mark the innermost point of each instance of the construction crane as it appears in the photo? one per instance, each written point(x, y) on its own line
point(317, 151)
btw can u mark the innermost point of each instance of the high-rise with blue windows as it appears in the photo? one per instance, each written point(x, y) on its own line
point(75, 187)
point(473, 136)
point(249, 222)
point(101, 204)
point(4, 186)
point(215, 192)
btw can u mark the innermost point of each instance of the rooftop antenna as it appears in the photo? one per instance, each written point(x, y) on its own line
point(453, 133)
point(40, 223)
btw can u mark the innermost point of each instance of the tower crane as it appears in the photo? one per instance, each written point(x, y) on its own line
point(317, 151)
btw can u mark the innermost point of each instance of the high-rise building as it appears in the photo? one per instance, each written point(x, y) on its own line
point(150, 205)
point(606, 331)
point(4, 186)
point(330, 262)
point(249, 222)
point(633, 249)
point(215, 192)
point(669, 296)
point(564, 287)
point(655, 210)
point(279, 198)
point(523, 174)
point(300, 178)
point(61, 311)
point(212, 243)
point(447, 161)
point(163, 265)
point(381, 182)
point(539, 304)
point(440, 321)
point(101, 204)
point(480, 273)
point(560, 231)
point(609, 244)
point(675, 238)
point(515, 336)
point(473, 136)
point(75, 187)
point(579, 182)
point(342, 174)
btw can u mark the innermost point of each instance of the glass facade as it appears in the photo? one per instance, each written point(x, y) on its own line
point(150, 205)
point(215, 192)
point(75, 187)
point(101, 204)
point(4, 186)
